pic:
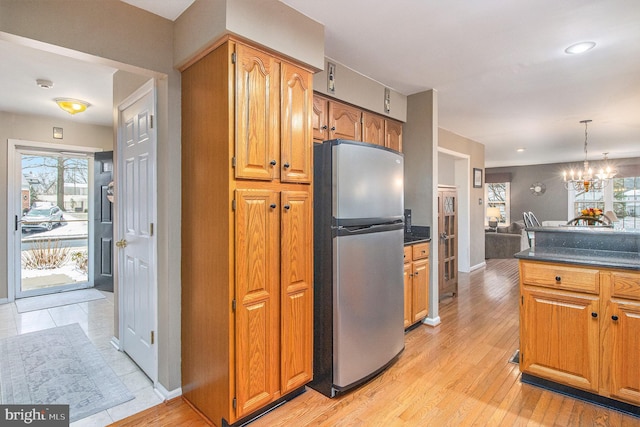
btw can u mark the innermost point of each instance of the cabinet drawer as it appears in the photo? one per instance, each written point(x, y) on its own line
point(560, 277)
point(420, 250)
point(407, 253)
point(625, 285)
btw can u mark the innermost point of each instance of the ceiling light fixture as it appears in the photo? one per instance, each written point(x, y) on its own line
point(44, 84)
point(579, 47)
point(72, 106)
point(520, 150)
point(585, 180)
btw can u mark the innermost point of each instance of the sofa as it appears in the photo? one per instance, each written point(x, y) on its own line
point(506, 241)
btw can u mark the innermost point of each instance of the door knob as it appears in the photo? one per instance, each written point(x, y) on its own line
point(121, 243)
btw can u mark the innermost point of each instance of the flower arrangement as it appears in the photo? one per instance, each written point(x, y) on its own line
point(591, 212)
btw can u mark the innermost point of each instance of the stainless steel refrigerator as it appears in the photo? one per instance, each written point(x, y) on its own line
point(358, 263)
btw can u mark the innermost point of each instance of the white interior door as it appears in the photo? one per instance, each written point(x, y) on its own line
point(136, 198)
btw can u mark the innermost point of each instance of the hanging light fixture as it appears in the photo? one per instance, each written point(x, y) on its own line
point(72, 106)
point(585, 180)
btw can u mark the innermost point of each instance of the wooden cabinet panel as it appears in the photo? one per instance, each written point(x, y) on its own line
point(625, 285)
point(372, 128)
point(320, 119)
point(623, 358)
point(296, 139)
point(420, 294)
point(344, 122)
point(419, 251)
point(408, 292)
point(559, 337)
point(561, 276)
point(297, 290)
point(257, 305)
point(257, 119)
point(393, 134)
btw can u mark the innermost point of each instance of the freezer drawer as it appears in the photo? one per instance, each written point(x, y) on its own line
point(368, 303)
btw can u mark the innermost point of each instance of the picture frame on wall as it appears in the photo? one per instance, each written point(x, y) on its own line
point(477, 178)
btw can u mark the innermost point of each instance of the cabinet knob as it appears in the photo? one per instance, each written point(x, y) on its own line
point(333, 128)
point(286, 165)
point(614, 317)
point(287, 207)
point(594, 314)
point(558, 279)
point(272, 205)
point(417, 273)
point(324, 127)
point(273, 163)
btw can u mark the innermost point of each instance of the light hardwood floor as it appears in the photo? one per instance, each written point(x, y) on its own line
point(456, 374)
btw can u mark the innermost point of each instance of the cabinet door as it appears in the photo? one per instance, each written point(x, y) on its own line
point(344, 122)
point(257, 114)
point(257, 299)
point(372, 128)
point(559, 337)
point(420, 292)
point(393, 135)
point(320, 119)
point(408, 289)
point(296, 139)
point(297, 290)
point(622, 349)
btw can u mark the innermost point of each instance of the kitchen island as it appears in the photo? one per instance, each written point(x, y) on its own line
point(580, 314)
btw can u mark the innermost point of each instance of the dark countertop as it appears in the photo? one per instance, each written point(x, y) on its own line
point(412, 240)
point(587, 257)
point(418, 234)
point(589, 246)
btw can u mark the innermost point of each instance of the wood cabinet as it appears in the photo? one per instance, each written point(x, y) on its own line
point(247, 236)
point(580, 326)
point(333, 119)
point(416, 283)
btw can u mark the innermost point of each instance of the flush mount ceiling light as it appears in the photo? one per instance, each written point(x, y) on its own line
point(72, 106)
point(579, 47)
point(520, 150)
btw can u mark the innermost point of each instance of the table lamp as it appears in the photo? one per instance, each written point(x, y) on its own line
point(493, 213)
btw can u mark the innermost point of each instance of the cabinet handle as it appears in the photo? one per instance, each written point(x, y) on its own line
point(417, 273)
point(333, 128)
point(273, 163)
point(286, 165)
point(424, 252)
point(594, 314)
point(272, 205)
point(287, 207)
point(324, 127)
point(614, 318)
point(558, 279)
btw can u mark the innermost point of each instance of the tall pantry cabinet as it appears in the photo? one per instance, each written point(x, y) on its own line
point(247, 232)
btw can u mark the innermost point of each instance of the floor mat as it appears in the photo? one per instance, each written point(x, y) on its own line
point(56, 300)
point(58, 366)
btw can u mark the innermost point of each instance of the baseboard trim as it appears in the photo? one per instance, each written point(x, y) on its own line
point(432, 321)
point(166, 394)
point(483, 264)
point(116, 343)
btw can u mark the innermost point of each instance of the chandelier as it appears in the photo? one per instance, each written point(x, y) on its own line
point(585, 180)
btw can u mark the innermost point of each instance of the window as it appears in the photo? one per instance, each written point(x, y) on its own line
point(498, 194)
point(591, 199)
point(626, 201)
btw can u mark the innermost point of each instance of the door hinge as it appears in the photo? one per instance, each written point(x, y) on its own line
point(233, 162)
point(233, 58)
point(152, 338)
point(234, 403)
point(233, 305)
point(151, 121)
point(151, 229)
point(233, 204)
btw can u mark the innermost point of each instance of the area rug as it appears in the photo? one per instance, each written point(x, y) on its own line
point(58, 366)
point(56, 300)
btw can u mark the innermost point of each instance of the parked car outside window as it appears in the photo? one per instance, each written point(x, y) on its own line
point(42, 218)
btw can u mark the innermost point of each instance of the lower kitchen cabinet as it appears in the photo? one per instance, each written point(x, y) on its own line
point(580, 327)
point(416, 283)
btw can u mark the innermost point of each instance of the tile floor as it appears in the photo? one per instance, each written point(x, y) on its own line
point(96, 319)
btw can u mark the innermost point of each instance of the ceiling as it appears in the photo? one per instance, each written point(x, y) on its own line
point(498, 66)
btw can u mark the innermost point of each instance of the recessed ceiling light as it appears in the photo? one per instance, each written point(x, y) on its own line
point(44, 84)
point(520, 150)
point(580, 47)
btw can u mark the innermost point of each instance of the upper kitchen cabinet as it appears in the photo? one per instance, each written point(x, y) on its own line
point(393, 134)
point(335, 120)
point(272, 130)
point(373, 128)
